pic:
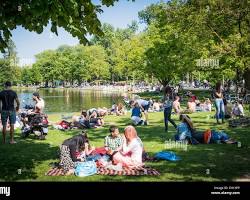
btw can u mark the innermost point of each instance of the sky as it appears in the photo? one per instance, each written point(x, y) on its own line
point(28, 44)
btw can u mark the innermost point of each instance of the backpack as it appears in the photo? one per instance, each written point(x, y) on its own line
point(85, 168)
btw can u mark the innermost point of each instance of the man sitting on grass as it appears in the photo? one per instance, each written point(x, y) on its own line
point(113, 142)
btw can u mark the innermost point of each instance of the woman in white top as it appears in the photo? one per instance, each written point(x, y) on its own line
point(132, 148)
point(238, 110)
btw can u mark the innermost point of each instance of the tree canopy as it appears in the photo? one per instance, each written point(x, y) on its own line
point(206, 39)
point(78, 17)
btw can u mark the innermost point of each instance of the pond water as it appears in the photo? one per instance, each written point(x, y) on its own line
point(70, 100)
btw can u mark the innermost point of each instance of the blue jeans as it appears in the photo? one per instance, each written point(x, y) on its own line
point(220, 109)
point(167, 117)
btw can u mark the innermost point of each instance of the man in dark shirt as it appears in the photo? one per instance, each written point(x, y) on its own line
point(7, 97)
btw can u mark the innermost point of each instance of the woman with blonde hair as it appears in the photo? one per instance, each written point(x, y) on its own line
point(132, 148)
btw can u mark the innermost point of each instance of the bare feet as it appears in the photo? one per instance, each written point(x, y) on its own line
point(12, 142)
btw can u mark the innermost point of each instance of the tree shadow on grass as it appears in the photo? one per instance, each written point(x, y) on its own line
point(18, 161)
point(200, 163)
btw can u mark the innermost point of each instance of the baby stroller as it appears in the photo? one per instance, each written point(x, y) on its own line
point(36, 124)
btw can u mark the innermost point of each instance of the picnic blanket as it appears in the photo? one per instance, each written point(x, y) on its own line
point(55, 171)
point(140, 171)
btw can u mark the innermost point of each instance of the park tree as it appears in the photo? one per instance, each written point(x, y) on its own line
point(95, 62)
point(78, 17)
point(210, 30)
point(112, 40)
point(170, 52)
point(9, 69)
point(129, 58)
point(224, 28)
point(46, 62)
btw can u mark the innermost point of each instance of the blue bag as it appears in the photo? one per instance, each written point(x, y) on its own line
point(85, 168)
point(167, 155)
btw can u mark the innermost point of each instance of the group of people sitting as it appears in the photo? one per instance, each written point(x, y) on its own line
point(193, 105)
point(125, 150)
point(92, 118)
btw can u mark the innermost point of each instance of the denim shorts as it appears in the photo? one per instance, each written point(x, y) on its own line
point(8, 114)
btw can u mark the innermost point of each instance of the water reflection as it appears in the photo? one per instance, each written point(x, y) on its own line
point(70, 100)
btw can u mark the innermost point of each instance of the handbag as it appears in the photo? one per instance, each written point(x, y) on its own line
point(87, 168)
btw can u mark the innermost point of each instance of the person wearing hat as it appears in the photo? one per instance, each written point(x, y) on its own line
point(8, 111)
point(39, 106)
point(185, 129)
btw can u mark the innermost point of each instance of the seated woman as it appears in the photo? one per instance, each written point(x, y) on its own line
point(71, 149)
point(131, 153)
point(95, 117)
point(185, 129)
point(186, 132)
point(238, 110)
point(136, 115)
point(120, 110)
point(207, 106)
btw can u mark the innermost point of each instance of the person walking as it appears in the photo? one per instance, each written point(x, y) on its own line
point(8, 98)
point(168, 105)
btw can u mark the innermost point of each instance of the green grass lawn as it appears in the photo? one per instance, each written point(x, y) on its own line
point(225, 162)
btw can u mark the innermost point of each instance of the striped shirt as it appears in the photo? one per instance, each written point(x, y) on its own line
point(113, 143)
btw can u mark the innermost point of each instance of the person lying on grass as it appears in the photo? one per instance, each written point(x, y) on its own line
point(187, 132)
point(71, 149)
point(130, 154)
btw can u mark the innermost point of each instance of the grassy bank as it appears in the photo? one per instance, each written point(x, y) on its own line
point(29, 159)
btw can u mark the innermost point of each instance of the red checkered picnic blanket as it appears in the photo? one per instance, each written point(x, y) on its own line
point(55, 171)
point(139, 171)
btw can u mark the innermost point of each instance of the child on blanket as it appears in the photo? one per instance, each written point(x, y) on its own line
point(130, 154)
